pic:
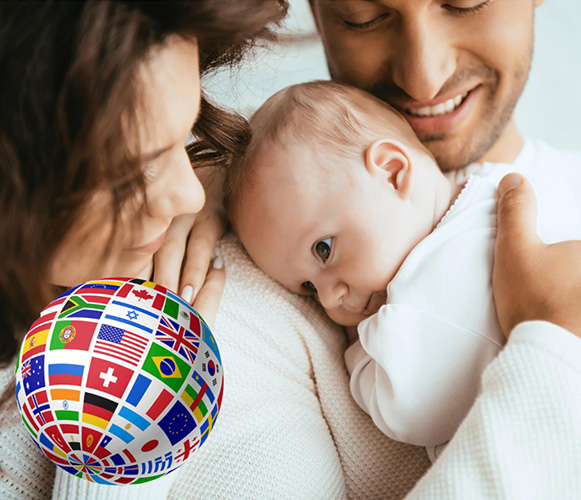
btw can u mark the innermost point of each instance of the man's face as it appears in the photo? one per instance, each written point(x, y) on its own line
point(455, 69)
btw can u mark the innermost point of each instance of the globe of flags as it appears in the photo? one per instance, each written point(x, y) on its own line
point(119, 381)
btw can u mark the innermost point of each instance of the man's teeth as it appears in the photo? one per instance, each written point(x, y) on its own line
point(439, 109)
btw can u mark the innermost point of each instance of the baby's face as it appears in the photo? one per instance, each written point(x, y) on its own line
point(338, 233)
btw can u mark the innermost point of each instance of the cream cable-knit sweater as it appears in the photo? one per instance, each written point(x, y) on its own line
point(290, 429)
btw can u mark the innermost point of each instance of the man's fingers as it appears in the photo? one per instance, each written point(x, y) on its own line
point(517, 212)
point(208, 299)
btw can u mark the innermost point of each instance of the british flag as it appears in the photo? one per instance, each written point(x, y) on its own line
point(179, 338)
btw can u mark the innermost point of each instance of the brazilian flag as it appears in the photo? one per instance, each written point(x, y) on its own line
point(167, 366)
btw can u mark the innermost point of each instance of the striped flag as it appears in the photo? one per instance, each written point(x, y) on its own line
point(65, 374)
point(122, 314)
point(35, 343)
point(98, 410)
point(121, 344)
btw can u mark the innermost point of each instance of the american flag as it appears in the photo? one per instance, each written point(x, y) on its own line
point(120, 344)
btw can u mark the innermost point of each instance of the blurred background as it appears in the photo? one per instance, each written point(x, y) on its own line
point(549, 109)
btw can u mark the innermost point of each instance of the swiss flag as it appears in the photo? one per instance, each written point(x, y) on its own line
point(108, 377)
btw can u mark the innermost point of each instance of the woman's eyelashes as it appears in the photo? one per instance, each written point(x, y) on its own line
point(322, 249)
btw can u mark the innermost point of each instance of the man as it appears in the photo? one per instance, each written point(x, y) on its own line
point(455, 70)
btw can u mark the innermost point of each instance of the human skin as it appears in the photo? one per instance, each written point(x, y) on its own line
point(170, 85)
point(340, 234)
point(418, 54)
point(524, 261)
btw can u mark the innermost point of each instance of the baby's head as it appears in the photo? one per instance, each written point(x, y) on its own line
point(333, 193)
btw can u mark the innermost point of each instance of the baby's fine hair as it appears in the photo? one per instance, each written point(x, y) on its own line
point(340, 119)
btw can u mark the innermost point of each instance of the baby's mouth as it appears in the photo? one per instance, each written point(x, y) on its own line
point(376, 300)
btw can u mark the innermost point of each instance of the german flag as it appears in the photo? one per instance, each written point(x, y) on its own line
point(98, 410)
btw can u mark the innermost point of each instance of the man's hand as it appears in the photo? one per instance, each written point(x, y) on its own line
point(532, 280)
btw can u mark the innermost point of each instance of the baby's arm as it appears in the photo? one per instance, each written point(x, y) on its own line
point(416, 374)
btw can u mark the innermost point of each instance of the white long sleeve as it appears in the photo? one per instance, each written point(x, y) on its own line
point(522, 438)
point(416, 373)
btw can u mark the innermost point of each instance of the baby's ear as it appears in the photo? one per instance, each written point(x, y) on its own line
point(389, 161)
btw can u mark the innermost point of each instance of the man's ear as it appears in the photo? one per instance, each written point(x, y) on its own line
point(389, 161)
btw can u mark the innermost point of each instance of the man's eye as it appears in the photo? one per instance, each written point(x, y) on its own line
point(309, 287)
point(467, 9)
point(323, 249)
point(362, 26)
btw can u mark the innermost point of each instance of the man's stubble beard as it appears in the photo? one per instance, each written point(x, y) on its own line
point(454, 153)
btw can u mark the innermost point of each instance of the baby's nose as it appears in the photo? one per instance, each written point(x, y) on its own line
point(331, 293)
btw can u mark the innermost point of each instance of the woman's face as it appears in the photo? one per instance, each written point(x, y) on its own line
point(170, 84)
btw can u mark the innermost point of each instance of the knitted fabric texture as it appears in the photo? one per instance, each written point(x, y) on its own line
point(288, 427)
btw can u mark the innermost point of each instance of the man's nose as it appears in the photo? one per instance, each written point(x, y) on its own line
point(424, 59)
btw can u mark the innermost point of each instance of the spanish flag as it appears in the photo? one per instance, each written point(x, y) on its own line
point(35, 343)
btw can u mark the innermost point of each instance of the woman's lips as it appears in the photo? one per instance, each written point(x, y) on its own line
point(445, 122)
point(154, 246)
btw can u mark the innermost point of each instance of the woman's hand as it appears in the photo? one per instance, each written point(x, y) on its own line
point(532, 280)
point(189, 250)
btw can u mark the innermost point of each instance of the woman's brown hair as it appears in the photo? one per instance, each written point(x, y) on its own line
point(68, 87)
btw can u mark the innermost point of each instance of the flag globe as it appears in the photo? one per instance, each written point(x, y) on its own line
point(119, 381)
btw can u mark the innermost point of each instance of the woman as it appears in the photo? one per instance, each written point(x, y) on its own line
point(100, 101)
point(96, 99)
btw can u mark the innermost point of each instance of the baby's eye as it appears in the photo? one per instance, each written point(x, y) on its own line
point(323, 249)
point(307, 285)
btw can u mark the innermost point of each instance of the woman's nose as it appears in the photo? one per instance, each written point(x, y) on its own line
point(180, 191)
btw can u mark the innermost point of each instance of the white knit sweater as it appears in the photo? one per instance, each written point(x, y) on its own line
point(290, 429)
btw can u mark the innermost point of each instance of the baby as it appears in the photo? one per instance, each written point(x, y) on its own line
point(338, 199)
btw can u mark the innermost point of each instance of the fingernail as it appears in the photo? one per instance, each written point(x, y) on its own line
point(510, 182)
point(188, 293)
point(218, 263)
